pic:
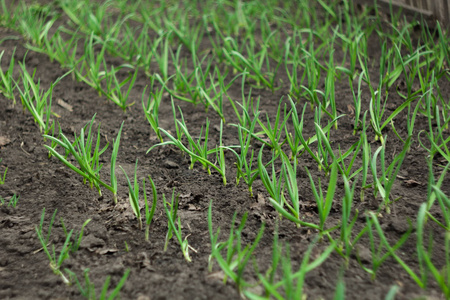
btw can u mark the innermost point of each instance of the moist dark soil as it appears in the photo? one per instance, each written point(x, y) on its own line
point(112, 241)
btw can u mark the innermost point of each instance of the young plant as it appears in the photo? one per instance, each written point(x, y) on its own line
point(55, 261)
point(12, 202)
point(377, 250)
point(439, 143)
point(291, 284)
point(114, 88)
point(88, 291)
point(427, 266)
point(236, 256)
point(35, 23)
point(243, 163)
point(323, 203)
point(93, 69)
point(175, 227)
point(87, 155)
point(173, 216)
point(345, 247)
point(383, 183)
point(297, 142)
point(275, 188)
point(75, 246)
point(133, 194)
point(38, 103)
point(196, 150)
point(273, 133)
point(149, 212)
point(151, 109)
point(7, 85)
point(2, 180)
point(220, 156)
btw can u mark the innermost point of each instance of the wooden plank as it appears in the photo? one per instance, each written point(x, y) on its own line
point(440, 9)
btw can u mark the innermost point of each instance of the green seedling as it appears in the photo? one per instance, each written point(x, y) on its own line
point(62, 50)
point(235, 258)
point(243, 163)
point(377, 109)
point(175, 227)
point(88, 291)
point(38, 103)
point(427, 266)
point(149, 212)
point(217, 90)
point(173, 216)
point(55, 261)
point(276, 186)
point(439, 143)
point(273, 133)
point(172, 93)
point(196, 150)
point(291, 284)
point(35, 22)
point(220, 156)
point(7, 85)
point(444, 52)
point(190, 36)
point(255, 63)
point(377, 250)
point(133, 192)
point(324, 204)
point(87, 155)
point(293, 58)
point(383, 183)
point(151, 109)
point(298, 144)
point(114, 88)
point(247, 107)
point(346, 244)
point(357, 103)
point(12, 202)
point(75, 246)
point(434, 193)
point(91, 67)
point(2, 180)
point(162, 58)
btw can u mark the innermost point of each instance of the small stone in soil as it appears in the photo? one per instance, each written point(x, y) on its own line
point(170, 164)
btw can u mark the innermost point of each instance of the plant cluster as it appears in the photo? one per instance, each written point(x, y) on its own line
point(309, 40)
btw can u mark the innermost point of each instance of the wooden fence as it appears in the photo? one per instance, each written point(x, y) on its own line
point(440, 9)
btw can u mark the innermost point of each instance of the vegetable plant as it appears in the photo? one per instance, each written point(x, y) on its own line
point(175, 227)
point(133, 194)
point(87, 155)
point(2, 180)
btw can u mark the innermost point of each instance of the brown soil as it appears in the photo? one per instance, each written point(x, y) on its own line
point(45, 183)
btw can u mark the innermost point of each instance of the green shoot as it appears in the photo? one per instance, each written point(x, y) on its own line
point(88, 291)
point(55, 261)
point(133, 194)
point(275, 188)
point(236, 256)
point(378, 257)
point(323, 203)
point(2, 179)
point(173, 216)
point(87, 155)
point(175, 226)
point(114, 88)
point(383, 183)
point(12, 202)
point(149, 212)
point(7, 85)
point(36, 101)
point(151, 109)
